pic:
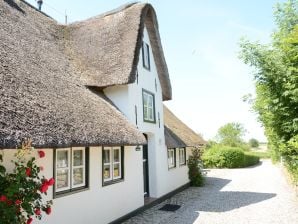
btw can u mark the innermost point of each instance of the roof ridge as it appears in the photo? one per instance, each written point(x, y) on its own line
point(110, 12)
point(33, 7)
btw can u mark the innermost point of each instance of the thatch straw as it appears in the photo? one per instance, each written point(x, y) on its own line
point(41, 94)
point(179, 134)
point(105, 49)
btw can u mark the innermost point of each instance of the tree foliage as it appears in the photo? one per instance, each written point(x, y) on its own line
point(253, 143)
point(231, 134)
point(276, 80)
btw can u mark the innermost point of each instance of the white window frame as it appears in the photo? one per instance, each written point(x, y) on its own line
point(171, 161)
point(83, 166)
point(63, 168)
point(149, 108)
point(182, 156)
point(70, 168)
point(112, 164)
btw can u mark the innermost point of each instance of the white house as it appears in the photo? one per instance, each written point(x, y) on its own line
point(91, 95)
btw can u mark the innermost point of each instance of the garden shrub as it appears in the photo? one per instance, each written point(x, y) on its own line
point(194, 173)
point(21, 190)
point(227, 157)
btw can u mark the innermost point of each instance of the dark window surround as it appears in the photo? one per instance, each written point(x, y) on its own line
point(184, 151)
point(145, 45)
point(154, 116)
point(175, 165)
point(77, 189)
point(107, 183)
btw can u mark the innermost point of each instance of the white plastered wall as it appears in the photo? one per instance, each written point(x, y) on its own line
point(98, 204)
point(161, 179)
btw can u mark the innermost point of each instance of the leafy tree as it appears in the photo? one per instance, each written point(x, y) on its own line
point(231, 134)
point(253, 143)
point(276, 80)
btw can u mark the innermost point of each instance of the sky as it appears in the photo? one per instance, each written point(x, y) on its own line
point(200, 40)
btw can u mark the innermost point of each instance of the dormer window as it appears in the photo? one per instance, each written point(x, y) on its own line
point(146, 56)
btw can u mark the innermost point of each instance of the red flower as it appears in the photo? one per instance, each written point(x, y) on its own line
point(51, 182)
point(44, 187)
point(41, 168)
point(29, 221)
point(37, 211)
point(41, 154)
point(18, 202)
point(48, 210)
point(28, 172)
point(3, 198)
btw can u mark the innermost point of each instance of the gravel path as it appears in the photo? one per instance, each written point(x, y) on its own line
point(257, 195)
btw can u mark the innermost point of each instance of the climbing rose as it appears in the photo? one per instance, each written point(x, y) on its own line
point(18, 202)
point(37, 211)
point(3, 198)
point(28, 172)
point(48, 210)
point(51, 182)
point(44, 187)
point(41, 153)
point(29, 221)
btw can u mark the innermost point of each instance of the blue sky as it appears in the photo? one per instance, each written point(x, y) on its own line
point(200, 40)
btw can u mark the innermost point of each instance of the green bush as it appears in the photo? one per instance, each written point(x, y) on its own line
point(194, 173)
point(227, 157)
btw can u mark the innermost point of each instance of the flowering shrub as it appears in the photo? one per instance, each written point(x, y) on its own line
point(21, 190)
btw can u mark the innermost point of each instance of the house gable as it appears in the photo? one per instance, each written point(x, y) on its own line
point(106, 48)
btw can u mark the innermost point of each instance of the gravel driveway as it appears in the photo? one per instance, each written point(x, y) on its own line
point(257, 195)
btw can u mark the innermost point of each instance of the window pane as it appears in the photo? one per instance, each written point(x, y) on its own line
point(107, 172)
point(62, 178)
point(117, 170)
point(145, 98)
point(116, 155)
point(150, 101)
point(150, 114)
point(145, 113)
point(106, 156)
point(62, 159)
point(78, 176)
point(78, 157)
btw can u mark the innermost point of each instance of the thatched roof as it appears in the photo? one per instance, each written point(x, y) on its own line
point(105, 49)
point(41, 94)
point(178, 134)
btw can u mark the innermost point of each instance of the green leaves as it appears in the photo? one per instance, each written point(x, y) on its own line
point(276, 80)
point(231, 134)
point(19, 190)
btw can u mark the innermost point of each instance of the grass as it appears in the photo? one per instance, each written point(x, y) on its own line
point(261, 155)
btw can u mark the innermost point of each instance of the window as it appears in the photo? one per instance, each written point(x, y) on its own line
point(112, 161)
point(148, 106)
point(171, 158)
point(182, 156)
point(146, 56)
point(71, 166)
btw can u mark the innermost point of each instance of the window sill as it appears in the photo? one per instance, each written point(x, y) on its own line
point(147, 68)
point(69, 192)
point(148, 121)
point(171, 168)
point(104, 184)
point(181, 165)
